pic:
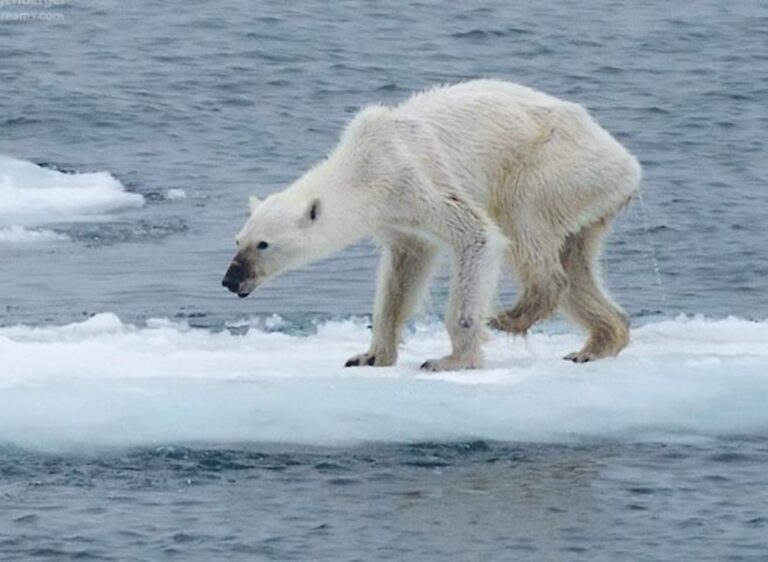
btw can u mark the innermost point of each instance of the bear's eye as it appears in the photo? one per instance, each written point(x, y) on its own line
point(263, 245)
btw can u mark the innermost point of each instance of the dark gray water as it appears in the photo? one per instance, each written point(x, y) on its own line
point(425, 501)
point(225, 99)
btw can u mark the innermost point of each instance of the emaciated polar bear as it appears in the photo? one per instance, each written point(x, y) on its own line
point(491, 170)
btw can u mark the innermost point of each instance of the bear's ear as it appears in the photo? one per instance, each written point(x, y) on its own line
point(253, 202)
point(314, 210)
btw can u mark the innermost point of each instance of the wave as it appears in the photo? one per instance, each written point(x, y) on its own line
point(33, 195)
point(104, 382)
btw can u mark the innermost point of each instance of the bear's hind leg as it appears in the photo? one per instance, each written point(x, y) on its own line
point(403, 275)
point(543, 280)
point(586, 300)
point(539, 301)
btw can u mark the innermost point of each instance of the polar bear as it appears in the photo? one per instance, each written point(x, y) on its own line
point(490, 170)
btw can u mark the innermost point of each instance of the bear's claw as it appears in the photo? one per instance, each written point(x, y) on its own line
point(356, 361)
point(370, 360)
point(579, 357)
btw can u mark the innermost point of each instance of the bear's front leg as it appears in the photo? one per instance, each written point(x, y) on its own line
point(477, 257)
point(403, 274)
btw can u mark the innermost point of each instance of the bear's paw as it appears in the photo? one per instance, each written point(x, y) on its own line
point(451, 363)
point(371, 359)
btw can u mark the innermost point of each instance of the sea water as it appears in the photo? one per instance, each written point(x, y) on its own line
point(146, 413)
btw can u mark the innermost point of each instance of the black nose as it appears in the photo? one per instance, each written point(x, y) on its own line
point(230, 284)
point(234, 276)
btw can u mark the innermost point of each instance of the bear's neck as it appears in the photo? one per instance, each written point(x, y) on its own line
point(345, 215)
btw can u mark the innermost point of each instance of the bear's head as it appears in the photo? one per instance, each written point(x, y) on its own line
point(277, 236)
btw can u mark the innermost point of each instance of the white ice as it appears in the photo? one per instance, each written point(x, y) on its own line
point(175, 194)
point(104, 382)
point(31, 195)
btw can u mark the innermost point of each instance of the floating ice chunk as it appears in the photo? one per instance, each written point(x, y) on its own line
point(175, 194)
point(31, 194)
point(104, 382)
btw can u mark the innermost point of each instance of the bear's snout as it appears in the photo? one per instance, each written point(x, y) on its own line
point(235, 275)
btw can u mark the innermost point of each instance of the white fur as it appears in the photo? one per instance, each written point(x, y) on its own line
point(487, 169)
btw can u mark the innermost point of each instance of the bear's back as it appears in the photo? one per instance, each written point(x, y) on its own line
point(480, 128)
point(479, 118)
point(475, 98)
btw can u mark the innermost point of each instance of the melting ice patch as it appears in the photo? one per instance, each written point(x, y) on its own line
point(104, 382)
point(175, 194)
point(33, 195)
